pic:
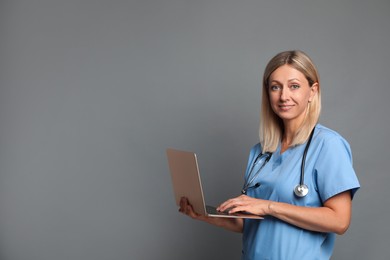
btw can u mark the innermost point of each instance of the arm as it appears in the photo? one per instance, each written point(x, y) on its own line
point(230, 224)
point(333, 216)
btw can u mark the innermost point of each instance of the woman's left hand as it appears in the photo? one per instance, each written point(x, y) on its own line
point(246, 204)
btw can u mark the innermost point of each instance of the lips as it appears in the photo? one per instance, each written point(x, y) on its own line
point(285, 107)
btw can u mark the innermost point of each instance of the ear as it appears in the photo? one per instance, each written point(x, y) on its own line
point(313, 91)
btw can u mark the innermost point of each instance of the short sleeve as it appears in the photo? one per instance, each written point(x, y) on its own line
point(333, 170)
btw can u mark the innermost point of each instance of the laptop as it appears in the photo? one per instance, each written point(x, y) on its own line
point(186, 182)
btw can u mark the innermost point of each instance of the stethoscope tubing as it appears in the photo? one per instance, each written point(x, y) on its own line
point(302, 177)
point(300, 190)
point(249, 180)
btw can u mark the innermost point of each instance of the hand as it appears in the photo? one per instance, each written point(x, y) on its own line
point(187, 209)
point(246, 204)
point(231, 224)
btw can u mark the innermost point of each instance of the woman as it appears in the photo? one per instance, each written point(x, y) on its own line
point(296, 225)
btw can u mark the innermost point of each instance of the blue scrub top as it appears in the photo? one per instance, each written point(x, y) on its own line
point(328, 171)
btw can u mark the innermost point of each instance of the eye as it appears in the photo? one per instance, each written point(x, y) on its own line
point(294, 86)
point(274, 88)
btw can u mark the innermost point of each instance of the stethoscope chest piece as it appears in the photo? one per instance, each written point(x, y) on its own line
point(301, 190)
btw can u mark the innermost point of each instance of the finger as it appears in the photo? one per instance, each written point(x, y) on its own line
point(182, 204)
point(223, 205)
point(238, 209)
point(239, 203)
point(191, 213)
point(187, 208)
point(232, 203)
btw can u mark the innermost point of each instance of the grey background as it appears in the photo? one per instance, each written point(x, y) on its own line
point(92, 92)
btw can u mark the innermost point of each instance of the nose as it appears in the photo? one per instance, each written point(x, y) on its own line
point(284, 95)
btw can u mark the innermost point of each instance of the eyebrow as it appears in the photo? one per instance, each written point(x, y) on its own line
point(293, 79)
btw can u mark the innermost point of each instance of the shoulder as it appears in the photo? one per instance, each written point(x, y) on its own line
point(256, 149)
point(328, 139)
point(325, 134)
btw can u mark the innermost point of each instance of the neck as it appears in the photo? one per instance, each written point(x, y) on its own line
point(289, 132)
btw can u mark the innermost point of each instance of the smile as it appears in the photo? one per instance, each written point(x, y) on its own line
point(285, 107)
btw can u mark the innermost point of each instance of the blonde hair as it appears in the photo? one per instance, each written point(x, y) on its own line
point(271, 126)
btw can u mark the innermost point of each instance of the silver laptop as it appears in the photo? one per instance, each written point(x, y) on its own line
point(186, 183)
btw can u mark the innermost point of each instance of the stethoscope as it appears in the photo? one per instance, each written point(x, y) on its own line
point(300, 190)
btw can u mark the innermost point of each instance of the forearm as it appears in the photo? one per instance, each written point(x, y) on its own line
point(231, 224)
point(333, 216)
point(322, 219)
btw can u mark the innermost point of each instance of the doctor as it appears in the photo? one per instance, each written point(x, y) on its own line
point(295, 225)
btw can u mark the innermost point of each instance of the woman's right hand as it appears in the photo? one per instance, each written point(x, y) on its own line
point(231, 224)
point(187, 209)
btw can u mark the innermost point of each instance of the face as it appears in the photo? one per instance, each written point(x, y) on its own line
point(290, 93)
